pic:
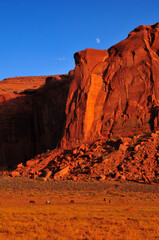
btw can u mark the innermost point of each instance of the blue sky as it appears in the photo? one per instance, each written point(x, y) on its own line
point(39, 37)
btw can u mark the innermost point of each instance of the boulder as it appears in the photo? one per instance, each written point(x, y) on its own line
point(62, 173)
point(15, 174)
point(122, 147)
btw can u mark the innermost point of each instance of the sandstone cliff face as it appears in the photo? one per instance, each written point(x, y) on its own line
point(32, 116)
point(49, 105)
point(115, 91)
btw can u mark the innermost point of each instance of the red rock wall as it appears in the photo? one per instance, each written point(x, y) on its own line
point(31, 120)
point(115, 91)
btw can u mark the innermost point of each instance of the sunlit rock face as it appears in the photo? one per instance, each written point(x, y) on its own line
point(115, 91)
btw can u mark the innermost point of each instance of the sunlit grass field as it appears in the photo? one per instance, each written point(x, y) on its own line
point(79, 222)
point(121, 215)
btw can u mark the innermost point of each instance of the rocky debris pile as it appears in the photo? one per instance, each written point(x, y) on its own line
point(133, 158)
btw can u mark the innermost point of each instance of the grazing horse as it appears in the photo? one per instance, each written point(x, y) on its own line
point(32, 202)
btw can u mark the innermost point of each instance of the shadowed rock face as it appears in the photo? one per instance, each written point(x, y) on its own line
point(115, 91)
point(110, 92)
point(32, 116)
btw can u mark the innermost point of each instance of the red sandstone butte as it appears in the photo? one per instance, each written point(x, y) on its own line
point(115, 91)
point(110, 92)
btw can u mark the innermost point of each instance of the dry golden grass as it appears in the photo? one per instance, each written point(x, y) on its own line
point(129, 216)
point(79, 221)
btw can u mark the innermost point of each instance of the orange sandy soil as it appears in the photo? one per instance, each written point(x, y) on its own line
point(101, 210)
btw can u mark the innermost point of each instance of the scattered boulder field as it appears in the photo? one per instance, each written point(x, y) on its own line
point(133, 158)
point(100, 121)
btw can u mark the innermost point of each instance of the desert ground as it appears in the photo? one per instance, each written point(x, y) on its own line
point(78, 210)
